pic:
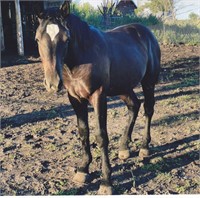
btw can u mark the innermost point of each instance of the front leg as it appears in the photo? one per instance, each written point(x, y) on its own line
point(81, 111)
point(99, 103)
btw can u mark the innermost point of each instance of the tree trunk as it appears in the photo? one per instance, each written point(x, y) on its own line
point(20, 43)
point(2, 34)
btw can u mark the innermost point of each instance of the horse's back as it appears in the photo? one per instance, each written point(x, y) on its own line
point(135, 55)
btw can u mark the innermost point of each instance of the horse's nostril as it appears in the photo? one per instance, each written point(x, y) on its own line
point(45, 83)
point(53, 87)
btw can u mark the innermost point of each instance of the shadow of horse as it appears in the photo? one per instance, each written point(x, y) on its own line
point(36, 116)
point(127, 175)
point(185, 79)
point(42, 115)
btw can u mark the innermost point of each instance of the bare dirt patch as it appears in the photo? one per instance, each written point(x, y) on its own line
point(40, 147)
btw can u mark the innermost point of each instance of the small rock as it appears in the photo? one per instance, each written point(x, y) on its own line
point(156, 160)
point(26, 94)
point(174, 171)
point(133, 190)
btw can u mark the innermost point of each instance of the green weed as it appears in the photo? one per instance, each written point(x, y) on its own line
point(72, 191)
point(50, 147)
point(1, 138)
point(96, 152)
point(164, 177)
point(138, 144)
point(153, 167)
point(182, 188)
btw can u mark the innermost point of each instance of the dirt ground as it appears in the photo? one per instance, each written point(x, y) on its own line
point(40, 146)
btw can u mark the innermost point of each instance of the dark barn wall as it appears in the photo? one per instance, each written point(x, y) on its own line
point(29, 25)
point(9, 26)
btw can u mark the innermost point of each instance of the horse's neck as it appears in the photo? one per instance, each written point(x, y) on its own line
point(85, 44)
point(78, 52)
point(73, 56)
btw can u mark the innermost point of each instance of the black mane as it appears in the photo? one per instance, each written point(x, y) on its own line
point(79, 31)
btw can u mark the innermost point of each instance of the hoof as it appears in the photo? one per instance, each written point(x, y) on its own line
point(144, 153)
point(124, 154)
point(105, 190)
point(80, 177)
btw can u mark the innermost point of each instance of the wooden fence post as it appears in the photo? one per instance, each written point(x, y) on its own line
point(20, 43)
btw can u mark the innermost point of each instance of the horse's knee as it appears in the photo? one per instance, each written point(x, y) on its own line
point(149, 109)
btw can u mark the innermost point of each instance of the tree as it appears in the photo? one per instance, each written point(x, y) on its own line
point(107, 9)
point(194, 16)
point(164, 8)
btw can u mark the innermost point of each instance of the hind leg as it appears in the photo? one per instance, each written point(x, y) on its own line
point(149, 102)
point(133, 105)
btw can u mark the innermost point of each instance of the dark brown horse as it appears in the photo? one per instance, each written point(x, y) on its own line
point(92, 65)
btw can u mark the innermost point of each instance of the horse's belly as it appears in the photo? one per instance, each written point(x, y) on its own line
point(120, 89)
point(128, 67)
point(124, 78)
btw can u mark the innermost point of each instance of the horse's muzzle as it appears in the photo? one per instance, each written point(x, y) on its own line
point(50, 87)
point(56, 87)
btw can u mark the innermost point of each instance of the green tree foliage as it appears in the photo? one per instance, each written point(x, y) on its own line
point(87, 13)
point(165, 7)
point(94, 17)
point(194, 16)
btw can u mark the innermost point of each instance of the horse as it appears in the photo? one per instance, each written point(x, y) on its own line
point(92, 65)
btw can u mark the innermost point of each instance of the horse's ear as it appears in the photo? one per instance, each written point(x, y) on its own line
point(65, 8)
point(39, 10)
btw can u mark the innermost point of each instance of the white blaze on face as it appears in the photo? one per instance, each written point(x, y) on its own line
point(52, 30)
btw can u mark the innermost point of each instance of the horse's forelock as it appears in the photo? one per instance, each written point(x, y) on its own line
point(52, 14)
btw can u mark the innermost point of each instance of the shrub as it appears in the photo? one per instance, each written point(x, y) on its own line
point(186, 31)
point(177, 32)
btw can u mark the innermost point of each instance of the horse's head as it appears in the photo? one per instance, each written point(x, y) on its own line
point(52, 36)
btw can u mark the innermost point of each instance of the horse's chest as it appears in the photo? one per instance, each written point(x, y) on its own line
point(78, 82)
point(79, 89)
